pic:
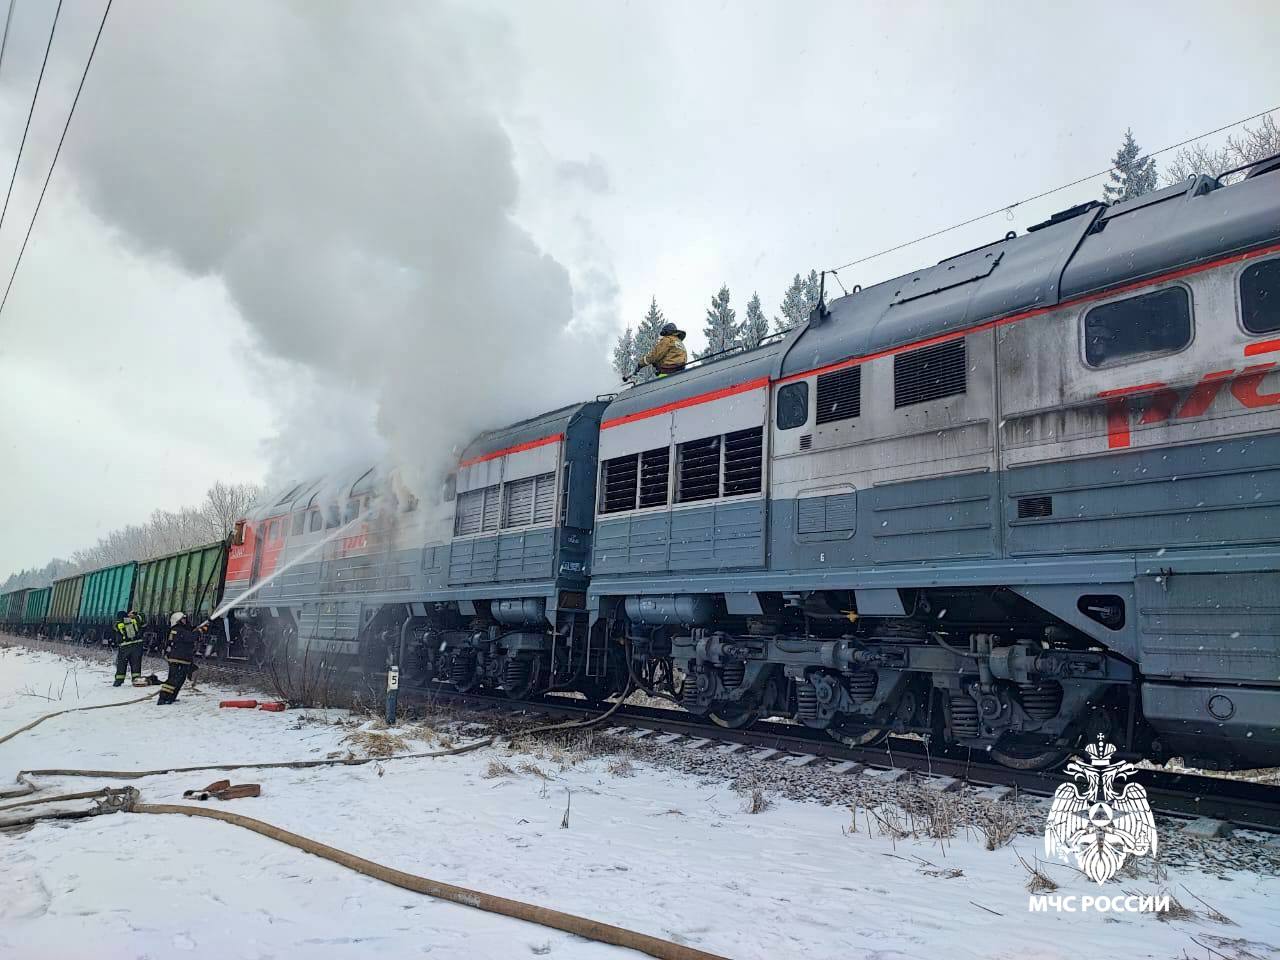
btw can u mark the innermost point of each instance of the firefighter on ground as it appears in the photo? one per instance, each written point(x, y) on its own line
point(181, 654)
point(129, 646)
point(668, 355)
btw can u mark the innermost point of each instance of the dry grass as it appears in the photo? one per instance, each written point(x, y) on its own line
point(497, 768)
point(622, 768)
point(1176, 911)
point(375, 743)
point(999, 824)
point(534, 770)
point(758, 802)
point(1037, 880)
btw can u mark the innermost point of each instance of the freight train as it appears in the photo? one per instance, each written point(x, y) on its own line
point(1020, 498)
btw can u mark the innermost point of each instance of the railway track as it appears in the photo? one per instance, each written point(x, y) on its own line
point(1244, 804)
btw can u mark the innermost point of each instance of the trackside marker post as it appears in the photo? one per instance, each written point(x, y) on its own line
point(393, 694)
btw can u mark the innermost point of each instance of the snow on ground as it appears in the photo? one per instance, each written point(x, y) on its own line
point(658, 851)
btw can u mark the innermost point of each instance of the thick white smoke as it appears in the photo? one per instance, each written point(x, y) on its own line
point(344, 169)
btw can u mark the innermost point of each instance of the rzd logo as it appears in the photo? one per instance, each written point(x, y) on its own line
point(1097, 820)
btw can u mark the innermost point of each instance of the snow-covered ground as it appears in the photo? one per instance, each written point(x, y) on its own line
point(657, 851)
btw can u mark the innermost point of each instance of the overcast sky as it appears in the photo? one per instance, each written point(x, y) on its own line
point(283, 235)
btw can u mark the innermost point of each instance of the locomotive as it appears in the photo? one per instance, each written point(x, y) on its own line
point(1008, 502)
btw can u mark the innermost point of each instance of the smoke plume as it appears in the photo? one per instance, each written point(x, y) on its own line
point(344, 169)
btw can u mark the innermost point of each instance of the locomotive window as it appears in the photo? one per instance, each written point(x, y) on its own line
point(655, 477)
point(331, 516)
point(299, 522)
point(316, 522)
point(450, 487)
point(352, 511)
point(517, 506)
point(698, 470)
point(793, 405)
point(1260, 297)
point(929, 373)
point(544, 497)
point(618, 484)
point(743, 461)
point(840, 395)
point(272, 529)
point(1157, 322)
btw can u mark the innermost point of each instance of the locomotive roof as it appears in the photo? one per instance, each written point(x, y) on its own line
point(524, 431)
point(1085, 249)
point(697, 380)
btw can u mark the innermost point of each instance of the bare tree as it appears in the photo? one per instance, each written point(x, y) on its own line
point(170, 531)
point(225, 503)
point(1249, 146)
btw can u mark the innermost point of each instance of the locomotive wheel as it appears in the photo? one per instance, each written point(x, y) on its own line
point(464, 678)
point(857, 735)
point(1028, 754)
point(734, 716)
point(520, 677)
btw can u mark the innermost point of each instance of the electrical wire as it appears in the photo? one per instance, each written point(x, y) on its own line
point(30, 110)
point(4, 40)
point(1066, 186)
point(58, 152)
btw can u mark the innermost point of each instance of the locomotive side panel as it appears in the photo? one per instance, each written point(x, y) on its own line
point(681, 482)
point(907, 477)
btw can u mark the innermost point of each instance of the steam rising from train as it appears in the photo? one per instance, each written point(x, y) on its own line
point(348, 178)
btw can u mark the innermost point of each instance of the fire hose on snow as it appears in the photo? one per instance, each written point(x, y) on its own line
point(128, 799)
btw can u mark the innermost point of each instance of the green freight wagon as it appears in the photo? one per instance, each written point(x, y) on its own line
point(35, 609)
point(190, 581)
point(64, 607)
point(11, 606)
point(106, 592)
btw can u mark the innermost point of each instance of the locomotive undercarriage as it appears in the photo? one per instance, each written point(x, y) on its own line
point(1023, 691)
point(976, 669)
point(521, 657)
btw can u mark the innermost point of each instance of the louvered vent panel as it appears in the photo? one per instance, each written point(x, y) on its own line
point(806, 441)
point(699, 467)
point(517, 511)
point(618, 482)
point(929, 373)
point(743, 452)
point(468, 511)
point(840, 395)
point(1029, 507)
point(492, 506)
point(655, 470)
point(811, 515)
point(544, 501)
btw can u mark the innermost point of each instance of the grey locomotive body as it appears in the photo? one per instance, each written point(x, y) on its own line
point(1028, 494)
point(1021, 497)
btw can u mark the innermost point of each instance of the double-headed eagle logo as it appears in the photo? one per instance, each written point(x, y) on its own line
point(1095, 819)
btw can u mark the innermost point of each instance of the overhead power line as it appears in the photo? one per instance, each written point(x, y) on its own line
point(1046, 193)
point(30, 110)
point(8, 19)
point(56, 153)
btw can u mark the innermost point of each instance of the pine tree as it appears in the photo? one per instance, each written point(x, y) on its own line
point(798, 302)
point(756, 325)
point(722, 331)
point(624, 354)
point(1133, 175)
point(647, 337)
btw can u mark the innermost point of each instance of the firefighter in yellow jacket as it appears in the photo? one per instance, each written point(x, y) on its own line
point(668, 355)
point(129, 643)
